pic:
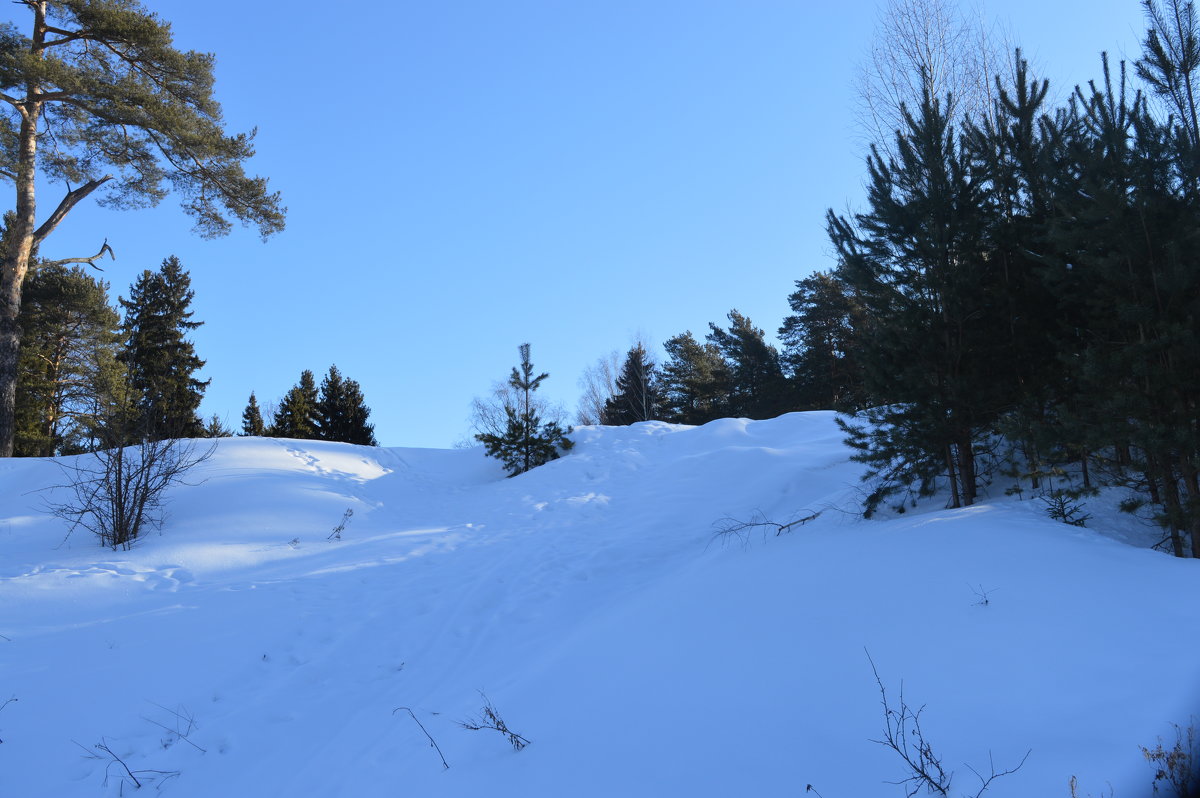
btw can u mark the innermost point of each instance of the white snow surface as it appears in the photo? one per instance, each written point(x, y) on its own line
point(240, 652)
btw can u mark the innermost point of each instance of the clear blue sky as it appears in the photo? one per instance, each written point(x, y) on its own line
point(463, 177)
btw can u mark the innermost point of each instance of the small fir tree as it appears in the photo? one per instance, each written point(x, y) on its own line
point(526, 442)
point(636, 395)
point(297, 413)
point(215, 428)
point(252, 420)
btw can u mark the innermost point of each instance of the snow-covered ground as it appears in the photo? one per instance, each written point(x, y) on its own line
point(240, 652)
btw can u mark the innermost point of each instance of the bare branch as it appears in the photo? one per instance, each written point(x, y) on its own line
point(91, 261)
point(727, 527)
point(103, 746)
point(68, 202)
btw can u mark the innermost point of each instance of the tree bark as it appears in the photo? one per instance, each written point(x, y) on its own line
point(20, 246)
point(12, 275)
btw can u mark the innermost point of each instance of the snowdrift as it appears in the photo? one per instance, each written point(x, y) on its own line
point(242, 652)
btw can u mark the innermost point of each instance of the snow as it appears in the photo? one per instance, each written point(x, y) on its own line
point(592, 604)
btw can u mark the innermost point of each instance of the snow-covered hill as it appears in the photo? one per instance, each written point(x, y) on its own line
point(240, 652)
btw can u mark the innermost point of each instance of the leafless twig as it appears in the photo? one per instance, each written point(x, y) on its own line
point(432, 743)
point(733, 527)
point(902, 733)
point(179, 716)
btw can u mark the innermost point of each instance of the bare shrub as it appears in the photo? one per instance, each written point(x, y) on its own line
point(1176, 768)
point(489, 718)
point(902, 733)
point(118, 493)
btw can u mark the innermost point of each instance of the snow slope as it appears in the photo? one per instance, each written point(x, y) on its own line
point(240, 652)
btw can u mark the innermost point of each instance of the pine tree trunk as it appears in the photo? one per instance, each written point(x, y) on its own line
point(966, 470)
point(1171, 500)
point(955, 502)
point(12, 276)
point(20, 247)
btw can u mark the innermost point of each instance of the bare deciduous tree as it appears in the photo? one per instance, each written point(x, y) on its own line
point(927, 47)
point(598, 384)
point(488, 416)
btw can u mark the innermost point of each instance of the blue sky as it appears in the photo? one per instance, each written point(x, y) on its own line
point(463, 177)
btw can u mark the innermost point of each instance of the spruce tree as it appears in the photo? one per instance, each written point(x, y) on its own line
point(341, 411)
point(297, 413)
point(161, 362)
point(123, 112)
point(636, 396)
point(526, 441)
point(252, 420)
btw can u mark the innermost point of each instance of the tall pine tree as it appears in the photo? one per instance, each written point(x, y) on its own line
point(917, 261)
point(98, 98)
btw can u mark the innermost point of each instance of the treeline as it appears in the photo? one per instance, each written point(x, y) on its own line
point(1032, 280)
point(337, 412)
point(732, 372)
point(93, 375)
point(1021, 295)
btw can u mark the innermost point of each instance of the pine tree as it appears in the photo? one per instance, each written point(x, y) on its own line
point(526, 441)
point(297, 413)
point(342, 412)
point(636, 396)
point(1125, 242)
point(252, 420)
point(160, 360)
point(819, 345)
point(757, 388)
point(68, 358)
point(918, 262)
point(123, 110)
point(695, 382)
